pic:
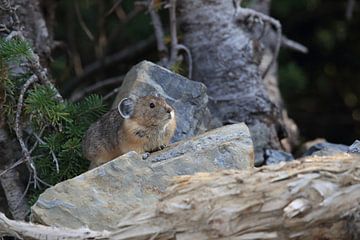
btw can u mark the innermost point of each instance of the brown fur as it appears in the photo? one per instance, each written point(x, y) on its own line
point(146, 130)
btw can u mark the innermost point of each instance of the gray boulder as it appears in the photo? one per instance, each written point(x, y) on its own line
point(98, 198)
point(273, 156)
point(355, 147)
point(188, 98)
point(325, 149)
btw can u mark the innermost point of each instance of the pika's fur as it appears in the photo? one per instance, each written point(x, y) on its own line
point(144, 125)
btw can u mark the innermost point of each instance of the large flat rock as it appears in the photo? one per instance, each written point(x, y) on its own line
point(188, 98)
point(98, 198)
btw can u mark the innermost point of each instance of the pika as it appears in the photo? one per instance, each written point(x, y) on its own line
point(143, 125)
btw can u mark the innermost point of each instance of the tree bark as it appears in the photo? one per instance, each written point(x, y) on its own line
point(290, 133)
point(26, 16)
point(227, 58)
point(313, 198)
point(19, 17)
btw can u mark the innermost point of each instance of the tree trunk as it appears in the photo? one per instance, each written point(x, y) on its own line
point(22, 17)
point(26, 16)
point(314, 198)
point(269, 40)
point(227, 59)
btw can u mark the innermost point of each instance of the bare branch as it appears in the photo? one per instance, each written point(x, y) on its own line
point(109, 60)
point(173, 33)
point(55, 160)
point(43, 182)
point(17, 163)
point(34, 231)
point(116, 4)
point(288, 43)
point(18, 128)
point(188, 53)
point(104, 83)
point(112, 93)
point(82, 22)
point(159, 34)
point(138, 8)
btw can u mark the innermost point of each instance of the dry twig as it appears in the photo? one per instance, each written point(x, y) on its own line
point(189, 58)
point(109, 60)
point(173, 34)
point(159, 34)
point(18, 127)
point(82, 22)
point(288, 43)
point(104, 83)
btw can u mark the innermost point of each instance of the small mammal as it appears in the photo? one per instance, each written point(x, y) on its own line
point(143, 125)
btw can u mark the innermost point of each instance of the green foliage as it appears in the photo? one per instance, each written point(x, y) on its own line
point(54, 128)
point(64, 124)
point(44, 108)
point(14, 49)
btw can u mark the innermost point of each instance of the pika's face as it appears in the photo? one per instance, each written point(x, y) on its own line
point(152, 111)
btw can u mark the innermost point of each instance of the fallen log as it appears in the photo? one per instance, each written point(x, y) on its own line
point(311, 198)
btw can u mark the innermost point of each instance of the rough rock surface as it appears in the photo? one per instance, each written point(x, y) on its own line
point(98, 198)
point(273, 156)
point(188, 98)
point(355, 147)
point(326, 149)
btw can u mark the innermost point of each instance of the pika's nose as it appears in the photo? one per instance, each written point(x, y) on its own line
point(168, 110)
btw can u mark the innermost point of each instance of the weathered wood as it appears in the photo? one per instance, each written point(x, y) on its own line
point(312, 198)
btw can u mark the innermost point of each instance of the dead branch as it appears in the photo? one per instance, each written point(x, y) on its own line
point(104, 83)
point(18, 127)
point(112, 9)
point(288, 43)
point(33, 231)
point(110, 94)
point(138, 8)
point(109, 60)
point(173, 33)
point(82, 22)
point(159, 34)
point(189, 58)
point(313, 198)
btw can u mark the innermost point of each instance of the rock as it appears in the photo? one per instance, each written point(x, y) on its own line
point(355, 147)
point(98, 198)
point(260, 133)
point(325, 149)
point(188, 98)
point(273, 156)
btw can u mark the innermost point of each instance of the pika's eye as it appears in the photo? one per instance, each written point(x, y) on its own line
point(152, 105)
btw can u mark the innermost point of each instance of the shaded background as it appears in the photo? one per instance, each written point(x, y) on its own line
point(321, 89)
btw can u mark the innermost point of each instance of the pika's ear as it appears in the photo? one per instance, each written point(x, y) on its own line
point(126, 107)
